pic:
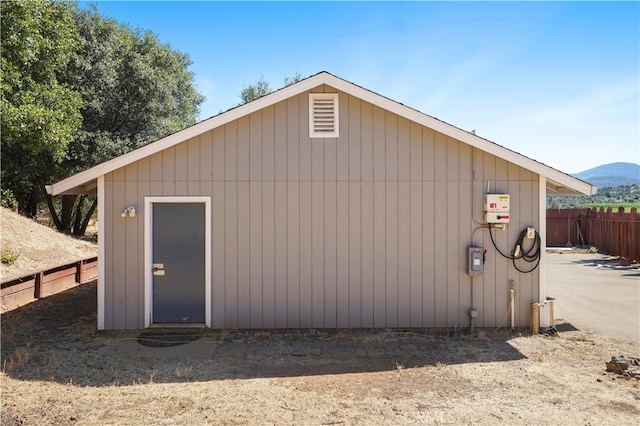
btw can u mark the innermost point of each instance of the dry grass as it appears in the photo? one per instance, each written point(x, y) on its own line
point(57, 371)
point(37, 246)
point(19, 358)
point(440, 365)
point(481, 336)
point(579, 339)
point(183, 372)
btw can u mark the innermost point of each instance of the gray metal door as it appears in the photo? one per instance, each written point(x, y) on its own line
point(178, 257)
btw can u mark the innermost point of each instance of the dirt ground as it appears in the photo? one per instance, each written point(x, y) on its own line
point(56, 369)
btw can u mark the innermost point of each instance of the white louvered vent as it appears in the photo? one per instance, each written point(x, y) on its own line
point(323, 115)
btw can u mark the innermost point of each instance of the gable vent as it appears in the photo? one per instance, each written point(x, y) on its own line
point(323, 115)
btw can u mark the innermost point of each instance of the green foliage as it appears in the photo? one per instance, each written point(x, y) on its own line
point(251, 92)
point(135, 90)
point(7, 199)
point(8, 256)
point(592, 249)
point(288, 81)
point(79, 89)
point(39, 113)
point(626, 196)
point(613, 206)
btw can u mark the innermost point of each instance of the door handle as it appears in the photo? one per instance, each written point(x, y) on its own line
point(158, 269)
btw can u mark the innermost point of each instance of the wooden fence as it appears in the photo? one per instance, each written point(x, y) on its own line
point(615, 233)
point(16, 292)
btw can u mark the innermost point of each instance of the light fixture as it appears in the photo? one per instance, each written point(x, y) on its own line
point(129, 211)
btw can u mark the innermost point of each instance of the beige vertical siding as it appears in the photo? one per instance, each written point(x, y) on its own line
point(367, 230)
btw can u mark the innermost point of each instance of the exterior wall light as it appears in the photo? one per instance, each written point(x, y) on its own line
point(129, 211)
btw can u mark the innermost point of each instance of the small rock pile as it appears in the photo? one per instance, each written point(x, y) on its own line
point(625, 367)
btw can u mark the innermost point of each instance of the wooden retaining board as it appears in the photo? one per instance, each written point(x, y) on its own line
point(17, 292)
point(88, 271)
point(20, 291)
point(52, 282)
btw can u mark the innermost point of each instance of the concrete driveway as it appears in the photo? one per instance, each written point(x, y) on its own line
point(593, 292)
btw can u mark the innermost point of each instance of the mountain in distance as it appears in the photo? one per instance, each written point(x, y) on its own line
point(612, 175)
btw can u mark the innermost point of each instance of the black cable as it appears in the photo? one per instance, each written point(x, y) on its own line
point(531, 255)
point(496, 247)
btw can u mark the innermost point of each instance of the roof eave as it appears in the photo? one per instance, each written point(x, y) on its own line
point(558, 188)
point(74, 184)
point(562, 182)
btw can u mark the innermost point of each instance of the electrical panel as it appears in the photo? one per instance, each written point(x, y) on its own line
point(496, 207)
point(475, 261)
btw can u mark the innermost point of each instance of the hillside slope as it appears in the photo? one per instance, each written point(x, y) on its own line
point(613, 174)
point(39, 247)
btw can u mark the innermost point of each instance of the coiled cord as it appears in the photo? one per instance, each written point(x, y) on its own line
point(531, 255)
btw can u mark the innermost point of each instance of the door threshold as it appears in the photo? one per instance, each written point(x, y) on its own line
point(178, 325)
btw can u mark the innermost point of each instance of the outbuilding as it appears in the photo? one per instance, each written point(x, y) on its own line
point(320, 205)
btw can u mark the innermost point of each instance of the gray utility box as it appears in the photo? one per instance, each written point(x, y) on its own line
point(474, 261)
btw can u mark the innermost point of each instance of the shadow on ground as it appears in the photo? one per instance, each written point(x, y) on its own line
point(565, 326)
point(613, 263)
point(54, 339)
point(608, 262)
point(636, 275)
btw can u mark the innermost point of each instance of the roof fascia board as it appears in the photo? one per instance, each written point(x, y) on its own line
point(81, 178)
point(556, 188)
point(447, 129)
point(563, 179)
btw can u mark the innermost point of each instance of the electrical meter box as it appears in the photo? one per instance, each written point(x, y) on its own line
point(475, 263)
point(496, 207)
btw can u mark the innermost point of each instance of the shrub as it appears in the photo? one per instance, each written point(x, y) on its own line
point(8, 256)
point(7, 199)
point(19, 358)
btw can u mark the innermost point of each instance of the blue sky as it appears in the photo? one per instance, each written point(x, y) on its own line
point(558, 82)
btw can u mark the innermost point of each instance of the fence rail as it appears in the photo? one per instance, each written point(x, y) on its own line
point(19, 291)
point(613, 232)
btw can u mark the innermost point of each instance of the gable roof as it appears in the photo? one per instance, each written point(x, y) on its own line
point(557, 181)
